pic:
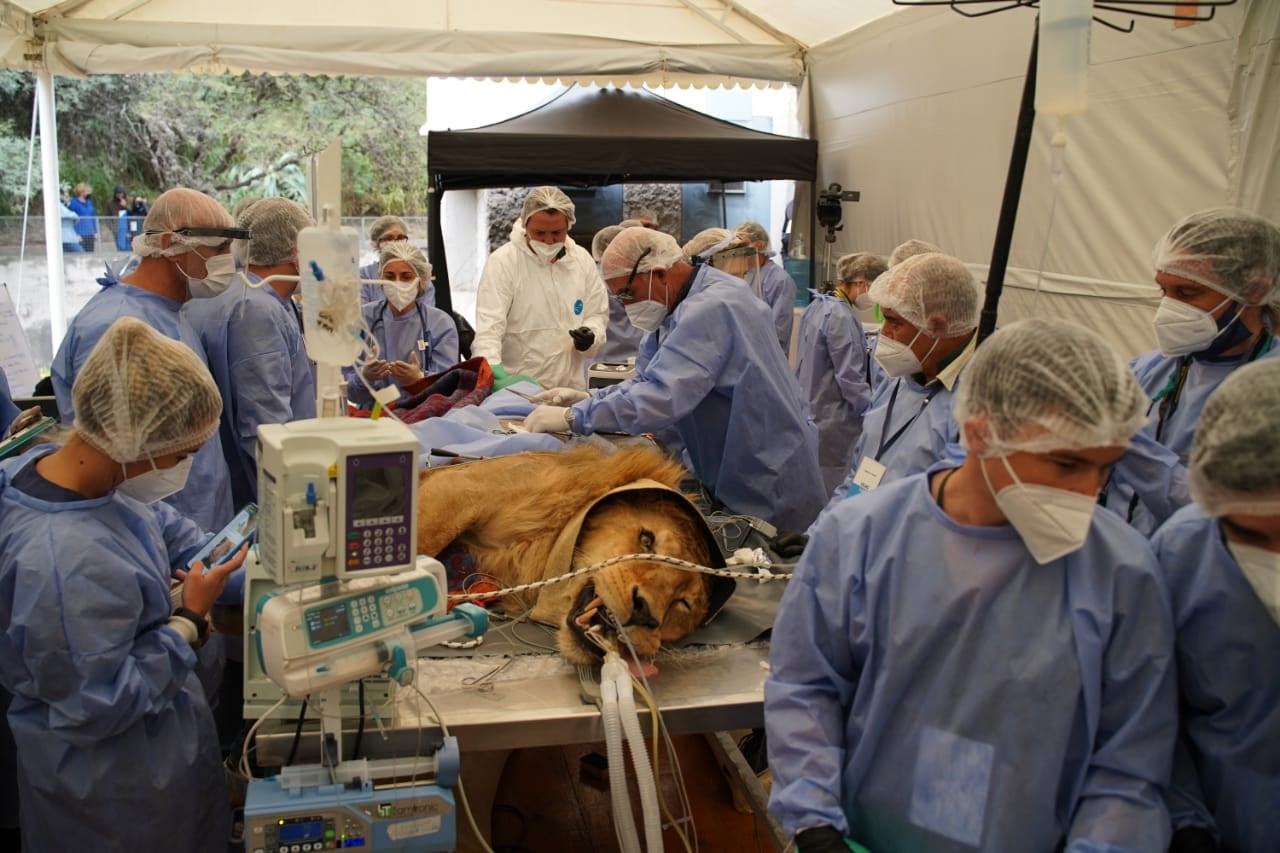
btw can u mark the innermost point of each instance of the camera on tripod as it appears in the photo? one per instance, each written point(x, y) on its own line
point(830, 207)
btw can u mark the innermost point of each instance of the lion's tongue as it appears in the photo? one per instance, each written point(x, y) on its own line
point(639, 668)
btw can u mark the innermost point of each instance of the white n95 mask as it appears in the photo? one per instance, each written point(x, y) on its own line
point(219, 271)
point(1182, 329)
point(1262, 569)
point(401, 294)
point(547, 251)
point(646, 315)
point(158, 483)
point(1052, 522)
point(864, 302)
point(897, 358)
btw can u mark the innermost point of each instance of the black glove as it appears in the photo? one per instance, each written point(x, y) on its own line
point(788, 544)
point(820, 839)
point(1193, 840)
point(583, 338)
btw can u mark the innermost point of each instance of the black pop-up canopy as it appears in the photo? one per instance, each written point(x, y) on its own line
point(596, 137)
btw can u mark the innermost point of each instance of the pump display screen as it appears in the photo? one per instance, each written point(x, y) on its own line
point(303, 830)
point(328, 623)
point(378, 529)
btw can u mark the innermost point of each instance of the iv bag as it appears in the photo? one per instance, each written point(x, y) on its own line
point(329, 258)
point(1062, 64)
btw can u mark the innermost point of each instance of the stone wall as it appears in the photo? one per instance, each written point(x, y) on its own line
point(662, 199)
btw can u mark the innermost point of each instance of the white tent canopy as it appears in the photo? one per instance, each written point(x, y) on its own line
point(661, 42)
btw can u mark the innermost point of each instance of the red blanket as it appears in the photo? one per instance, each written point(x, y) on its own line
point(464, 384)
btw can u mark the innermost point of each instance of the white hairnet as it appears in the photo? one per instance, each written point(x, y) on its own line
point(550, 199)
point(176, 209)
point(140, 395)
point(603, 238)
point(754, 232)
point(1234, 252)
point(244, 204)
point(403, 250)
point(273, 225)
point(383, 224)
point(705, 240)
point(643, 215)
point(1235, 457)
point(935, 293)
point(910, 249)
point(1050, 386)
point(659, 251)
point(864, 265)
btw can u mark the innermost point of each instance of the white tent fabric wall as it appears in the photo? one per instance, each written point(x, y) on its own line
point(917, 111)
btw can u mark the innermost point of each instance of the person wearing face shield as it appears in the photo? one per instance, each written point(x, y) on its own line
point(834, 367)
point(107, 712)
point(974, 657)
point(541, 309)
point(1221, 558)
point(1219, 271)
point(414, 337)
point(777, 287)
point(622, 340)
point(931, 305)
point(184, 257)
point(711, 372)
point(253, 336)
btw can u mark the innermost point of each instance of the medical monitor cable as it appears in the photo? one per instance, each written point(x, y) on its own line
point(462, 794)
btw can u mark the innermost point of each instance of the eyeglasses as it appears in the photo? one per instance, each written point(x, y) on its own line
point(390, 238)
point(625, 295)
point(201, 231)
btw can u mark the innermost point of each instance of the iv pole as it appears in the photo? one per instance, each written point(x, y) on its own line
point(1027, 117)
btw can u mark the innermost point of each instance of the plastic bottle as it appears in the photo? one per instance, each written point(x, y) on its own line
point(1062, 65)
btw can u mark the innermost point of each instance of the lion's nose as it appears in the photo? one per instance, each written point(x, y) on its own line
point(641, 615)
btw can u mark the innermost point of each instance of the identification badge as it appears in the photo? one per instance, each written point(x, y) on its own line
point(422, 346)
point(869, 474)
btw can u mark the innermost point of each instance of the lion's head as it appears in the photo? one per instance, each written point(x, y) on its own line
point(654, 603)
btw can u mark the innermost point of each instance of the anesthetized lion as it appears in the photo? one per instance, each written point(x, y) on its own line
point(536, 515)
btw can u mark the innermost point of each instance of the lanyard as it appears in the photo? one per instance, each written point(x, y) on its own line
point(888, 441)
point(1171, 394)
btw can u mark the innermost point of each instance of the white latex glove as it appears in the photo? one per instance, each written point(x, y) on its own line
point(560, 396)
point(547, 419)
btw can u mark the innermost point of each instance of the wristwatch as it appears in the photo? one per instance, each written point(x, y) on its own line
point(568, 418)
point(202, 624)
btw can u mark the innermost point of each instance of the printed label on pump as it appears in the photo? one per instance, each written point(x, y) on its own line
point(869, 474)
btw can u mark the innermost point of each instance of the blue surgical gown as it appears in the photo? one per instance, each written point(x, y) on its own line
point(779, 290)
point(622, 340)
point(8, 411)
point(253, 336)
point(1228, 649)
point(206, 498)
point(932, 687)
point(374, 292)
point(711, 372)
point(831, 364)
point(907, 429)
point(116, 744)
point(1160, 478)
point(398, 337)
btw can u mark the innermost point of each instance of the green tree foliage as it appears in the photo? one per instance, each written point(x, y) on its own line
point(229, 136)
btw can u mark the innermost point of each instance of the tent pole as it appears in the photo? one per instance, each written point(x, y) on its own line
point(1012, 191)
point(435, 248)
point(52, 202)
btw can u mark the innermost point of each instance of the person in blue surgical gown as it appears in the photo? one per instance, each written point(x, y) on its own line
point(1219, 271)
point(1221, 557)
point(253, 337)
point(414, 337)
point(777, 287)
point(972, 658)
point(115, 741)
point(833, 367)
point(184, 253)
point(622, 340)
point(931, 304)
point(709, 370)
